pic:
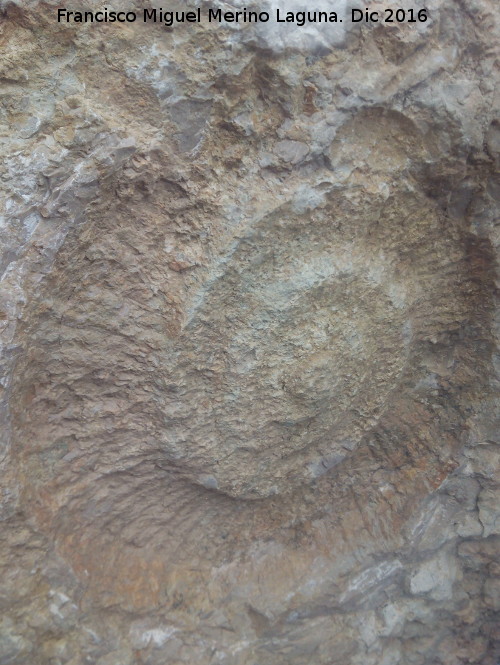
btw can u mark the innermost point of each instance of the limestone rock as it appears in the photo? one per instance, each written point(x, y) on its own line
point(249, 407)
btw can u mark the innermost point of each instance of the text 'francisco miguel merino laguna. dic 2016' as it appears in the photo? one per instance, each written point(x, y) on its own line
point(300, 18)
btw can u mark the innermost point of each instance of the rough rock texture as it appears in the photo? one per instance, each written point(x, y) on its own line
point(247, 317)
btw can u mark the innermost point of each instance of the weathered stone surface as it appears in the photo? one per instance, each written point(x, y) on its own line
point(248, 344)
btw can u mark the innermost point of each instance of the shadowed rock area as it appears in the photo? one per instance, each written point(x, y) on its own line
point(248, 340)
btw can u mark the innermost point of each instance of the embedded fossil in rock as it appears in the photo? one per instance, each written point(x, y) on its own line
point(305, 328)
point(249, 339)
point(293, 351)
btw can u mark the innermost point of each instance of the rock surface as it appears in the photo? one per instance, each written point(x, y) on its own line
point(247, 319)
